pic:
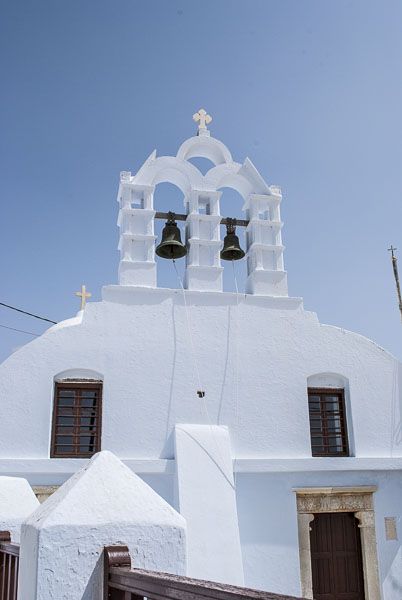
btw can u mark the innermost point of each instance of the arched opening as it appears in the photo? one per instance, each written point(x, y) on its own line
point(203, 164)
point(168, 197)
point(327, 380)
point(207, 147)
point(231, 205)
point(78, 375)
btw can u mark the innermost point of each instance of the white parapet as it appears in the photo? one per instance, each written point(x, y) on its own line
point(206, 497)
point(103, 504)
point(17, 502)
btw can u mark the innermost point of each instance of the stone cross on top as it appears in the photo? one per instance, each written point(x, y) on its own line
point(83, 294)
point(203, 119)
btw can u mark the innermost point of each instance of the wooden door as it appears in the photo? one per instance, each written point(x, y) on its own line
point(336, 557)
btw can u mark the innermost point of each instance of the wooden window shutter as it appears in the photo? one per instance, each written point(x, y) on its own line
point(328, 422)
point(77, 419)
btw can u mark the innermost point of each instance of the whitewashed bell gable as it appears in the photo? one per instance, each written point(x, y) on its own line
point(265, 266)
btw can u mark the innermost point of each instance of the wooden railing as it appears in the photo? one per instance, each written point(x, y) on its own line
point(9, 562)
point(124, 583)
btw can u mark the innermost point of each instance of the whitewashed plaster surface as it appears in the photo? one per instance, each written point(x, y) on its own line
point(105, 503)
point(137, 339)
point(17, 502)
point(206, 497)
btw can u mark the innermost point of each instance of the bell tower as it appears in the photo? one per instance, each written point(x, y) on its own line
point(203, 220)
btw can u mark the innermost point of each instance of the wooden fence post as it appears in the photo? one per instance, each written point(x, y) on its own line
point(114, 556)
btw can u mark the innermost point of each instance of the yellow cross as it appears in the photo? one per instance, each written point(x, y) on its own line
point(83, 294)
point(203, 118)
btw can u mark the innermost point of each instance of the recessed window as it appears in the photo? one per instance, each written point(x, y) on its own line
point(136, 201)
point(327, 422)
point(204, 207)
point(264, 214)
point(77, 415)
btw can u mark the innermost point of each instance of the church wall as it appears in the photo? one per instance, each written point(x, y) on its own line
point(162, 485)
point(137, 341)
point(141, 348)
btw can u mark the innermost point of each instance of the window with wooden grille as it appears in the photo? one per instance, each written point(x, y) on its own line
point(327, 422)
point(77, 420)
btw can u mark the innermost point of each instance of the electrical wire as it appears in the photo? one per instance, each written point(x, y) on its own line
point(20, 330)
point(28, 313)
point(236, 394)
point(201, 389)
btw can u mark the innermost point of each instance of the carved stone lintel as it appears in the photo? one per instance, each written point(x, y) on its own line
point(310, 503)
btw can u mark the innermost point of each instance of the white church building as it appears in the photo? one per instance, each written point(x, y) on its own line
point(276, 437)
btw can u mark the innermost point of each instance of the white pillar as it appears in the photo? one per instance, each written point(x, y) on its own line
point(266, 275)
point(206, 497)
point(203, 264)
point(17, 502)
point(137, 240)
point(103, 504)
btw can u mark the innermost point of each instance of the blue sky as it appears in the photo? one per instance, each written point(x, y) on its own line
point(310, 90)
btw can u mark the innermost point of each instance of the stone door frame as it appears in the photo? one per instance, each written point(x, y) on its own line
point(357, 500)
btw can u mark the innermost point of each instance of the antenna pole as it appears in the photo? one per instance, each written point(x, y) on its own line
point(396, 276)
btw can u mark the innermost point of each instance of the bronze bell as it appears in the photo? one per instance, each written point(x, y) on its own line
point(231, 246)
point(171, 246)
